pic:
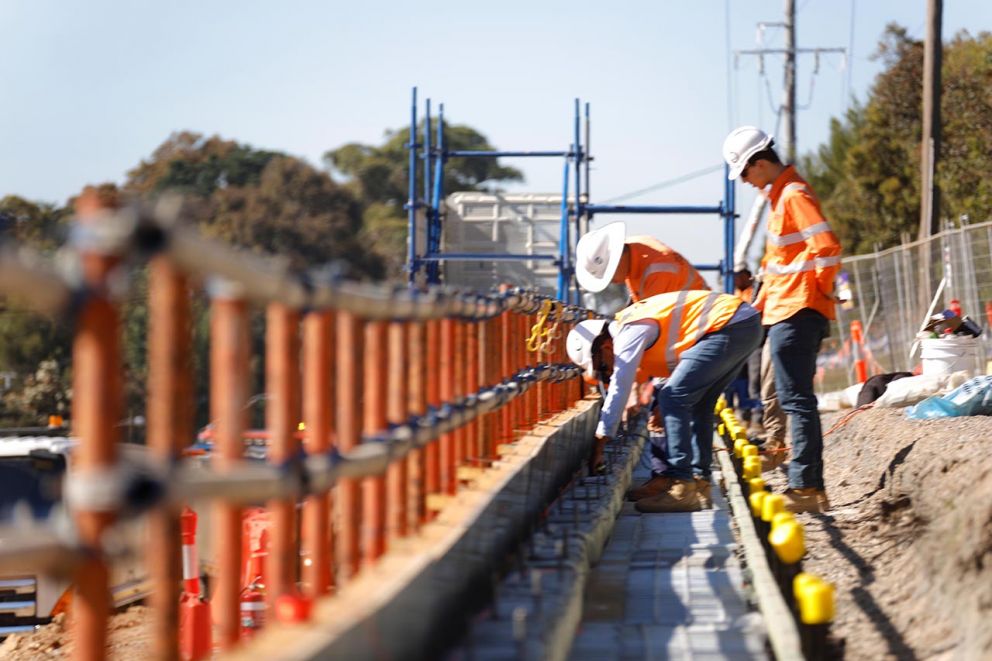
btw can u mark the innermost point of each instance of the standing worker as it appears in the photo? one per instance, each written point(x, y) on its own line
point(648, 267)
point(699, 340)
point(796, 299)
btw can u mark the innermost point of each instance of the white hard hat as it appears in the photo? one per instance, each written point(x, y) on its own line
point(578, 344)
point(597, 256)
point(743, 143)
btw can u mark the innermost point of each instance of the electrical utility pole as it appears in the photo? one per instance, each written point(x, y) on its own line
point(790, 151)
point(930, 147)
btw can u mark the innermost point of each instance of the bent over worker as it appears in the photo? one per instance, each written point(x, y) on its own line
point(699, 340)
point(648, 267)
point(796, 299)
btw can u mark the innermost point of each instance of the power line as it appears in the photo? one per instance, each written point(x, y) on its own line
point(665, 184)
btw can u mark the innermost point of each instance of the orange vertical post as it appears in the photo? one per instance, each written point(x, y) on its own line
point(96, 408)
point(396, 414)
point(282, 415)
point(473, 453)
point(169, 411)
point(446, 447)
point(858, 351)
point(347, 497)
point(318, 398)
point(460, 369)
point(416, 406)
point(434, 377)
point(506, 348)
point(230, 348)
point(374, 420)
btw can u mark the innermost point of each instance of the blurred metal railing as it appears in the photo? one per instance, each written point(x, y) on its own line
point(892, 291)
point(398, 390)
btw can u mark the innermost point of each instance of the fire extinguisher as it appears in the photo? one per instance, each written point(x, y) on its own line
point(252, 609)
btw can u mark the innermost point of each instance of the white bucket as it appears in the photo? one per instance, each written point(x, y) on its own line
point(944, 355)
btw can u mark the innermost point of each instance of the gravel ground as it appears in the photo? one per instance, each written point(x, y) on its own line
point(908, 541)
point(129, 639)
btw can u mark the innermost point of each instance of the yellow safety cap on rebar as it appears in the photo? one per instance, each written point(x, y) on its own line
point(756, 499)
point(756, 484)
point(721, 429)
point(789, 541)
point(749, 450)
point(816, 603)
point(752, 468)
point(783, 517)
point(772, 505)
point(801, 580)
point(721, 403)
point(741, 433)
point(739, 447)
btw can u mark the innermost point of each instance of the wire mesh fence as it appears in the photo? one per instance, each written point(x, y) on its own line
point(892, 292)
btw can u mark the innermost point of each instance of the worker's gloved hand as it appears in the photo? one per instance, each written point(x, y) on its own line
point(597, 465)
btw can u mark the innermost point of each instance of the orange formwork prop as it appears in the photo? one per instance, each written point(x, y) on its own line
point(434, 377)
point(96, 408)
point(230, 348)
point(347, 497)
point(282, 415)
point(416, 406)
point(504, 432)
point(460, 367)
point(170, 427)
point(396, 413)
point(374, 420)
point(858, 351)
point(472, 381)
point(318, 397)
point(446, 447)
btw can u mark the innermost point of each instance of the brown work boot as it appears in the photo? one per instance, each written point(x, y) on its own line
point(806, 500)
point(656, 485)
point(680, 497)
point(597, 464)
point(704, 492)
point(773, 454)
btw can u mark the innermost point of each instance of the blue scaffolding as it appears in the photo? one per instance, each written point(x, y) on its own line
point(435, 155)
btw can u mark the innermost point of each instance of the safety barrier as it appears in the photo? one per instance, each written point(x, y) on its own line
point(403, 395)
point(808, 598)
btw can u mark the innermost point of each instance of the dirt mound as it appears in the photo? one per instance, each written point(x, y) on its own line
point(908, 542)
point(128, 639)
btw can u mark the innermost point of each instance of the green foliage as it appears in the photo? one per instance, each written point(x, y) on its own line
point(40, 226)
point(867, 174)
point(379, 176)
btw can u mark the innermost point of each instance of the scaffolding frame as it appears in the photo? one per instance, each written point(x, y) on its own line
point(434, 155)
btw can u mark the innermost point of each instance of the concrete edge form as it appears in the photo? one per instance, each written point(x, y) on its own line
point(783, 635)
point(421, 592)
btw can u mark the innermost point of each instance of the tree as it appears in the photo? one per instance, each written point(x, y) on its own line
point(379, 177)
point(867, 174)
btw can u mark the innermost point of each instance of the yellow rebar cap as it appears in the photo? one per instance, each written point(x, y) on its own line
point(749, 450)
point(756, 499)
point(788, 540)
point(816, 603)
point(756, 484)
point(771, 506)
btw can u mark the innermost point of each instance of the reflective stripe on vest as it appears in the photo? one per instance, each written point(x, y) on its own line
point(704, 316)
point(800, 267)
point(798, 237)
point(657, 267)
point(674, 329)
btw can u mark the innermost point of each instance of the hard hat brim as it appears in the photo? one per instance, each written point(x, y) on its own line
point(735, 170)
point(616, 236)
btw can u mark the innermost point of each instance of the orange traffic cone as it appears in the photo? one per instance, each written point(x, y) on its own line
point(195, 640)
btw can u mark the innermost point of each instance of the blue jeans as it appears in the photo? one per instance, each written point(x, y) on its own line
point(690, 395)
point(794, 345)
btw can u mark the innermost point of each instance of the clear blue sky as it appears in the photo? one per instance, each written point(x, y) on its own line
point(90, 88)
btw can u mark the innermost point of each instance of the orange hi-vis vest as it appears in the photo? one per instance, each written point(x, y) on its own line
point(683, 317)
point(802, 255)
point(656, 269)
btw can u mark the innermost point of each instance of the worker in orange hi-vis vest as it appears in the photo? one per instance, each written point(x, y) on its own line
point(699, 340)
point(796, 299)
point(648, 267)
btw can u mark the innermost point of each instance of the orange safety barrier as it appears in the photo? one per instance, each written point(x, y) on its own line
point(858, 352)
point(398, 391)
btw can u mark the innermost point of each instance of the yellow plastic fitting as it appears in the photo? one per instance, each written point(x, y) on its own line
point(720, 429)
point(771, 506)
point(756, 499)
point(749, 450)
point(802, 580)
point(752, 468)
point(738, 447)
point(756, 484)
point(788, 540)
point(816, 603)
point(782, 517)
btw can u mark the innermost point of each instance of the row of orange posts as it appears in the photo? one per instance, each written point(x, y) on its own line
point(346, 377)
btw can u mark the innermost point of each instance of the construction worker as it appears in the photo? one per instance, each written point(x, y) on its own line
point(699, 340)
point(648, 267)
point(796, 299)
